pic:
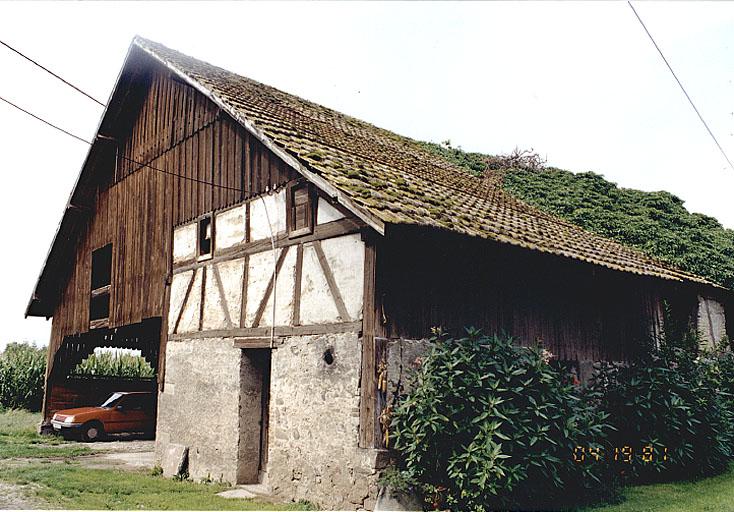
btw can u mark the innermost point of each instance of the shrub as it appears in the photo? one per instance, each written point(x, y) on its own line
point(489, 425)
point(22, 372)
point(670, 411)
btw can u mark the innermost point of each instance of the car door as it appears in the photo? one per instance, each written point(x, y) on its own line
point(135, 411)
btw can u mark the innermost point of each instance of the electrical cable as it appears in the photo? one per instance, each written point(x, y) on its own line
point(170, 173)
point(51, 73)
point(681, 85)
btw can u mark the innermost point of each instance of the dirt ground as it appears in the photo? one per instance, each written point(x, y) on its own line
point(126, 455)
point(12, 497)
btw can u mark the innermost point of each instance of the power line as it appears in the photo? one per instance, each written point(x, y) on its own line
point(681, 85)
point(164, 171)
point(51, 73)
point(34, 116)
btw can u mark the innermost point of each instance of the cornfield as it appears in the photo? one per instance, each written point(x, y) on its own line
point(115, 364)
point(22, 371)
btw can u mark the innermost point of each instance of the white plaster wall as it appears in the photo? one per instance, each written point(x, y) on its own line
point(179, 283)
point(275, 204)
point(259, 272)
point(184, 243)
point(345, 255)
point(223, 296)
point(191, 310)
point(284, 296)
point(229, 227)
point(326, 213)
point(711, 320)
point(317, 304)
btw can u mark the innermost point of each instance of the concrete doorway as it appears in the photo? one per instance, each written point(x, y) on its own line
point(252, 454)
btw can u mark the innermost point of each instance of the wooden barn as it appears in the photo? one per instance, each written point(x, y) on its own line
point(272, 258)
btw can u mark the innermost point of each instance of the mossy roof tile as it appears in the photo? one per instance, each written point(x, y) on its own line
point(361, 160)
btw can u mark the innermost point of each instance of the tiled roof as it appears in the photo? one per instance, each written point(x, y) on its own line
point(394, 179)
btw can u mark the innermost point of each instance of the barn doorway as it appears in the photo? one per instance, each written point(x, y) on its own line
point(252, 456)
point(68, 389)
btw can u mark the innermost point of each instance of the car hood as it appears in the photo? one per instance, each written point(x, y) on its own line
point(83, 411)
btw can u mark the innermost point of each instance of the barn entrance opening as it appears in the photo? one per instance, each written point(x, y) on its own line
point(66, 388)
point(252, 453)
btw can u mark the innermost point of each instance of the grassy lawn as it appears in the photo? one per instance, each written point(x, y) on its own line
point(19, 438)
point(70, 486)
point(59, 481)
point(710, 494)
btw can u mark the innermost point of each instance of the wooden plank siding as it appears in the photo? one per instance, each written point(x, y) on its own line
point(177, 130)
point(428, 278)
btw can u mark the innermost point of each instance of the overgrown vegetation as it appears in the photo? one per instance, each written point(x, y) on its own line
point(115, 364)
point(657, 223)
point(22, 370)
point(491, 425)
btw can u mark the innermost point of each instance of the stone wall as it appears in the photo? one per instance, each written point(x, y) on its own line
point(199, 408)
point(313, 418)
point(314, 424)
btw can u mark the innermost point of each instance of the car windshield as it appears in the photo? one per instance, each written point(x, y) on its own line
point(112, 401)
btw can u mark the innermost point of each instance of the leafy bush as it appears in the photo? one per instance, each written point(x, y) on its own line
point(115, 364)
point(22, 372)
point(671, 411)
point(489, 425)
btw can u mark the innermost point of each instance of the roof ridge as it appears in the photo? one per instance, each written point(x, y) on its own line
point(302, 128)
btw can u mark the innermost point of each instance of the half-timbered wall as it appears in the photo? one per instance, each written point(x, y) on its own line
point(169, 153)
point(259, 276)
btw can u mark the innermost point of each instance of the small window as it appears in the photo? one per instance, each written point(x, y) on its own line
point(300, 210)
point(205, 236)
point(99, 299)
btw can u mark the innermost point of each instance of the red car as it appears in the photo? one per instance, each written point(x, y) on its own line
point(123, 411)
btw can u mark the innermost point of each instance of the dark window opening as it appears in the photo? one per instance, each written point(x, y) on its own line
point(206, 236)
point(99, 299)
point(300, 210)
point(102, 267)
point(99, 307)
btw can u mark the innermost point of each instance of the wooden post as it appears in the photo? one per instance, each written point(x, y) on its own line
point(368, 384)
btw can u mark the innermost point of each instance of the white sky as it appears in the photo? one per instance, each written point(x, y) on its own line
point(578, 82)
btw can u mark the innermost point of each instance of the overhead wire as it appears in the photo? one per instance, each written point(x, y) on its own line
point(164, 171)
point(681, 85)
point(51, 73)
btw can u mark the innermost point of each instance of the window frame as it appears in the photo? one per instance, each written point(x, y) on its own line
point(199, 220)
point(291, 191)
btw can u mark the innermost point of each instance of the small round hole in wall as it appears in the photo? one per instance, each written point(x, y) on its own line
point(328, 356)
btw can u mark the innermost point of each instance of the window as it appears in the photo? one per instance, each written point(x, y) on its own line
point(205, 237)
point(300, 210)
point(99, 299)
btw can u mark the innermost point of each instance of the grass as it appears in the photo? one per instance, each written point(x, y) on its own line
point(19, 438)
point(66, 484)
point(706, 495)
point(70, 486)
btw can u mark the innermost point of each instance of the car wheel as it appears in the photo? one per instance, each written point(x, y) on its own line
point(92, 431)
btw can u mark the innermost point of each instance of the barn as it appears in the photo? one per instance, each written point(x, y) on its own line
point(274, 260)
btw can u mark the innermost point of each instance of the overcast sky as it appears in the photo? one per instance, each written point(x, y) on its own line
point(578, 82)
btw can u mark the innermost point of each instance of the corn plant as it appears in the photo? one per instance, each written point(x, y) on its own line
point(115, 364)
point(22, 371)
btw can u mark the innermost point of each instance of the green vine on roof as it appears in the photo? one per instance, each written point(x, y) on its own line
point(656, 223)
